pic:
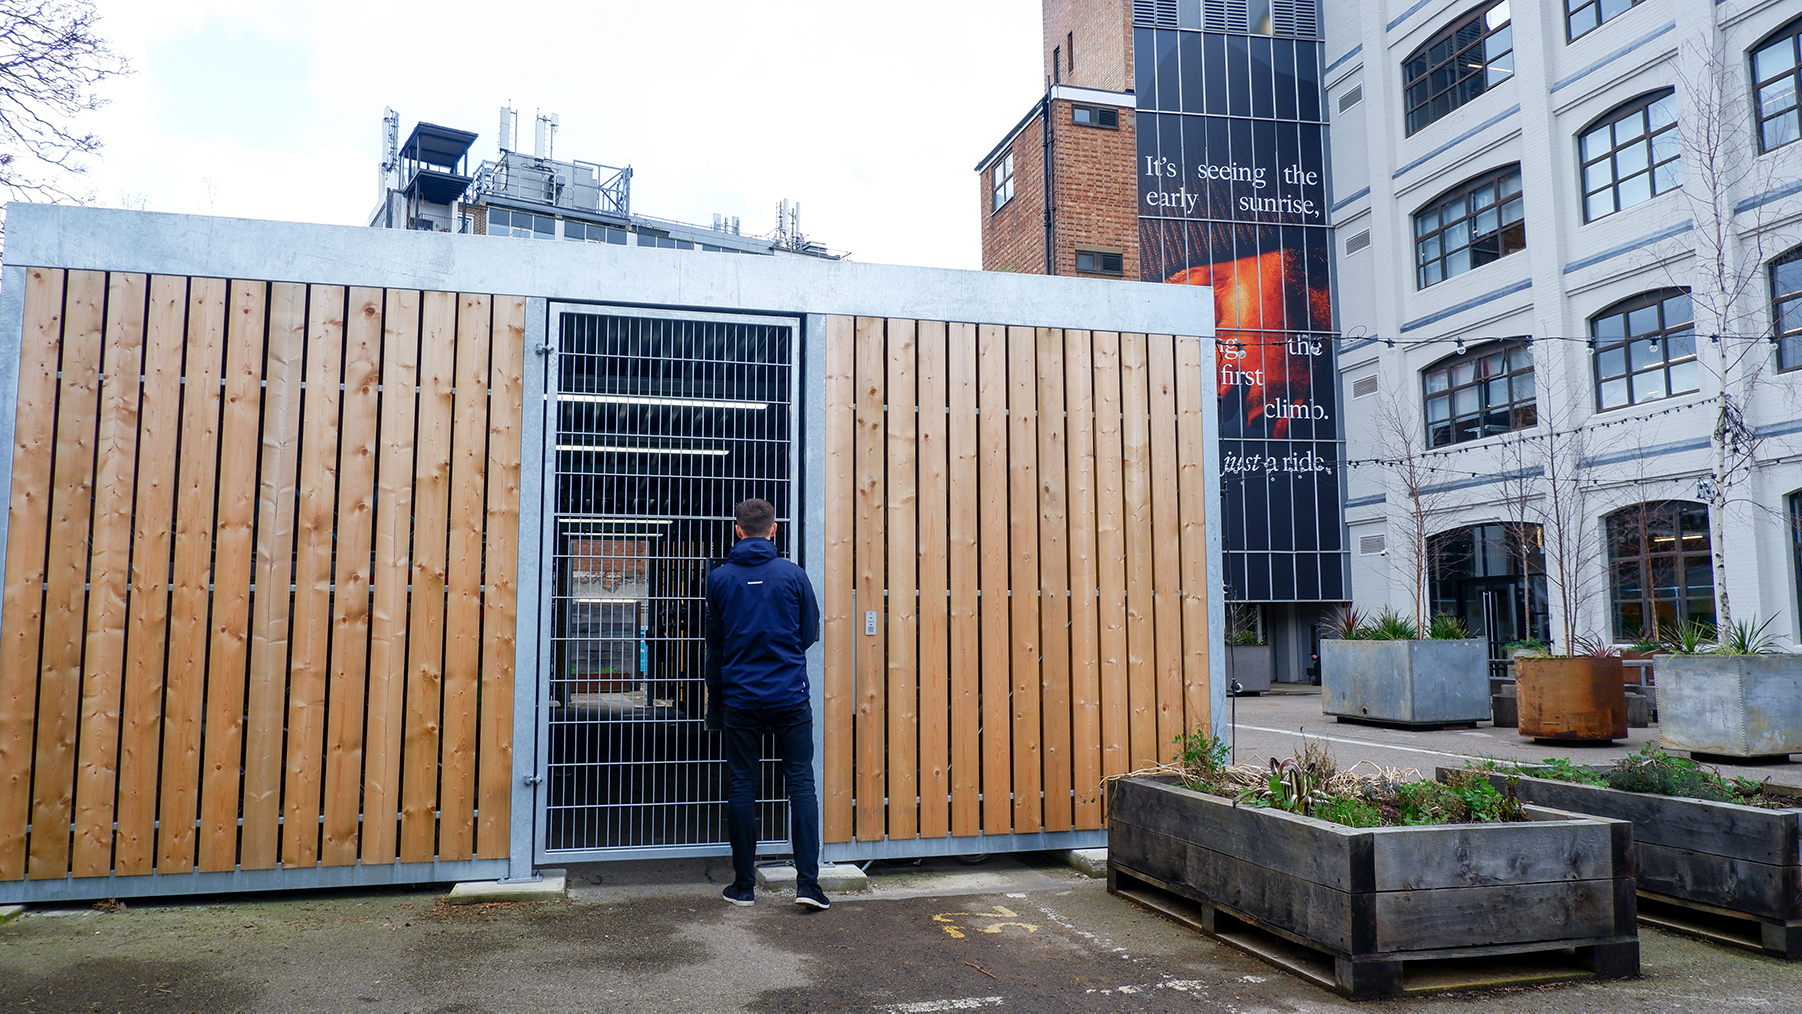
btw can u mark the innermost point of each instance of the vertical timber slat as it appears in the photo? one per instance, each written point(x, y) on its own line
point(872, 703)
point(425, 628)
point(1085, 661)
point(997, 720)
point(934, 622)
point(963, 560)
point(1054, 580)
point(1193, 493)
point(1166, 537)
point(311, 665)
point(228, 646)
point(65, 574)
point(388, 579)
point(109, 579)
point(178, 803)
point(1136, 483)
point(267, 686)
point(463, 579)
point(348, 689)
point(903, 560)
point(27, 532)
point(159, 423)
point(1110, 554)
point(839, 629)
point(500, 592)
point(1024, 585)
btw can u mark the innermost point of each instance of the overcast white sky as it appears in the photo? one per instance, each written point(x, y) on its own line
point(871, 115)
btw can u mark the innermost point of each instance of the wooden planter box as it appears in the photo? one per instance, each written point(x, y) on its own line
point(1365, 904)
point(1406, 682)
point(1253, 665)
point(1731, 705)
point(1722, 863)
point(1579, 699)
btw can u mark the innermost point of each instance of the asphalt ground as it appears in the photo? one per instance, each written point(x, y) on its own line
point(1018, 933)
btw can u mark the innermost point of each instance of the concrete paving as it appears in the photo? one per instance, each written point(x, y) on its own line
point(1022, 933)
point(1276, 724)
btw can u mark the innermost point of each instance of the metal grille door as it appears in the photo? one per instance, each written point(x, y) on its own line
point(662, 424)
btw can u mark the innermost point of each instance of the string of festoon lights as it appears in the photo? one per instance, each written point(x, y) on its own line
point(1424, 460)
point(1470, 344)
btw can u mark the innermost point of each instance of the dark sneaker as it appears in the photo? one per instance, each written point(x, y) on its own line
point(812, 897)
point(743, 897)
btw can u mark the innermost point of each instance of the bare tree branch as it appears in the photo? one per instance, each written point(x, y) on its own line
point(51, 59)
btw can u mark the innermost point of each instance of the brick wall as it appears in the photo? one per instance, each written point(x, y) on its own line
point(1101, 31)
point(1013, 236)
point(1096, 189)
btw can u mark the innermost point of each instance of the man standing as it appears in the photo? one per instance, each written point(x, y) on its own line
point(761, 617)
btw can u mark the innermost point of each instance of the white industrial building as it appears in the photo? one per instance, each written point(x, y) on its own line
point(1569, 247)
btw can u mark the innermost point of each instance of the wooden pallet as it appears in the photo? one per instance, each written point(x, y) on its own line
point(1776, 937)
point(1457, 970)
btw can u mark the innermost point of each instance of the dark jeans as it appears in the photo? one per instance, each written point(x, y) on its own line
point(793, 728)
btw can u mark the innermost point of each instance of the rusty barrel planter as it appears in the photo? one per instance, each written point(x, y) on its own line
point(1366, 903)
point(1575, 699)
point(1725, 871)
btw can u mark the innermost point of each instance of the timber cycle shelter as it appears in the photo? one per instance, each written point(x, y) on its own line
point(342, 556)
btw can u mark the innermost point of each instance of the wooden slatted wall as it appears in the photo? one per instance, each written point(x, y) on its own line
point(260, 577)
point(1023, 511)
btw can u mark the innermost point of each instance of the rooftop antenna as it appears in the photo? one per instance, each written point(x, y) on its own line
point(503, 141)
point(390, 149)
point(544, 134)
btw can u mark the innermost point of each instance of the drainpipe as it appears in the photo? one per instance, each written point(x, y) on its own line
point(1045, 164)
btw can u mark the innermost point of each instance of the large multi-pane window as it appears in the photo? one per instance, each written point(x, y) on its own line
point(1660, 569)
point(1469, 226)
point(1583, 16)
point(1776, 83)
point(1480, 394)
point(1471, 56)
point(1645, 349)
point(1629, 154)
point(1004, 181)
point(1786, 308)
point(525, 225)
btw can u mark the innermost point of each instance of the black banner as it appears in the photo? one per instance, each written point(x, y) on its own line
point(1232, 194)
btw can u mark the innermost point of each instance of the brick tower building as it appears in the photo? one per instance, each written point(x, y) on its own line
point(1057, 193)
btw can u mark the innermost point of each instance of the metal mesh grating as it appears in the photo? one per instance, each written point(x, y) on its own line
point(662, 425)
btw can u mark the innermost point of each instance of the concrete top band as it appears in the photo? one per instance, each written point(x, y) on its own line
point(60, 236)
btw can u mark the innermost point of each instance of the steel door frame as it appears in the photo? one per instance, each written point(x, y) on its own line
point(543, 570)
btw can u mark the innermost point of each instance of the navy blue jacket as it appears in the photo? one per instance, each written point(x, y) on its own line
point(761, 616)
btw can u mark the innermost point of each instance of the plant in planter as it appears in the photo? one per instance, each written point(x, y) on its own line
point(1383, 671)
point(1730, 694)
point(1572, 697)
point(1384, 882)
point(1719, 857)
point(1249, 660)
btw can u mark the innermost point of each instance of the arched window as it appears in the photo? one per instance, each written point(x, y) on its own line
point(1660, 568)
point(1645, 349)
point(1465, 59)
point(1584, 16)
point(1776, 84)
point(1630, 153)
point(1469, 225)
point(1481, 393)
point(1786, 308)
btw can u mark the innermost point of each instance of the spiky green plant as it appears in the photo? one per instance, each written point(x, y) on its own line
point(1446, 627)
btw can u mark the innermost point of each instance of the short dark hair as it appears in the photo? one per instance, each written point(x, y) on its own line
point(755, 517)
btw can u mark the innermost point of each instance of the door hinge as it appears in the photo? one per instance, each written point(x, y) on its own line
point(545, 350)
point(532, 780)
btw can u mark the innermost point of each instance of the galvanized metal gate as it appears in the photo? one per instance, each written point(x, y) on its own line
point(660, 424)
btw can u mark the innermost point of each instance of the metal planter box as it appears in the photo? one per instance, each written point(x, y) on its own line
point(1711, 858)
point(1406, 682)
point(1731, 705)
point(1253, 665)
point(1370, 900)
